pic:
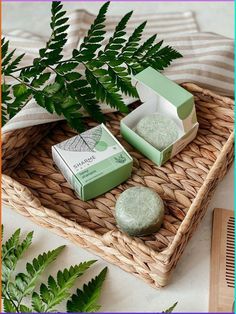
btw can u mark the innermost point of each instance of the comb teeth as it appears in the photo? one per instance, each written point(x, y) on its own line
point(230, 253)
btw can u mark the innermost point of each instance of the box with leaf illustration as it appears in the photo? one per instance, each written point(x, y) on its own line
point(161, 96)
point(93, 162)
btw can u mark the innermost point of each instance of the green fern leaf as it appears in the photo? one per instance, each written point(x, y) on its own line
point(12, 246)
point(75, 119)
point(8, 58)
point(41, 79)
point(58, 290)
point(116, 41)
point(31, 72)
point(86, 300)
point(92, 41)
point(9, 306)
point(62, 29)
point(6, 98)
point(163, 58)
point(119, 75)
point(66, 67)
point(24, 309)
point(80, 95)
point(100, 81)
point(4, 115)
point(13, 65)
point(12, 251)
point(168, 52)
point(56, 7)
point(19, 89)
point(21, 94)
point(4, 46)
point(52, 88)
point(37, 303)
point(153, 50)
point(52, 52)
point(24, 284)
point(145, 46)
point(88, 101)
point(133, 42)
point(11, 243)
point(171, 308)
point(19, 102)
point(72, 76)
point(122, 80)
point(9, 65)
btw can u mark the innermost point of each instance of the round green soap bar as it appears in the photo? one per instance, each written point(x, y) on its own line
point(139, 211)
point(158, 130)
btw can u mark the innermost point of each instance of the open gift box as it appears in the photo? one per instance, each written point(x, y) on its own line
point(161, 95)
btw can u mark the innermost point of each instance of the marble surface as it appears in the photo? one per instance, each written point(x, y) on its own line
point(123, 292)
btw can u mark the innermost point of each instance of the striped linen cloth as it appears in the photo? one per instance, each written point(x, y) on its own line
point(208, 58)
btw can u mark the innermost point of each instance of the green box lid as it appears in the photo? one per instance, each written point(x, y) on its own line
point(161, 85)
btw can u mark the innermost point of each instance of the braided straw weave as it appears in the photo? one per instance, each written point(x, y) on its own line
point(35, 188)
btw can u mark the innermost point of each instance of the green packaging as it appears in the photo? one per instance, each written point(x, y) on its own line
point(93, 162)
point(163, 96)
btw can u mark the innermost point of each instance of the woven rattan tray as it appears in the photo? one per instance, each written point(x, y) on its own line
point(33, 187)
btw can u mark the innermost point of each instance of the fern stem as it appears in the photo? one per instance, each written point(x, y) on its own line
point(7, 253)
point(20, 69)
point(23, 82)
point(61, 76)
point(31, 66)
point(12, 302)
point(54, 70)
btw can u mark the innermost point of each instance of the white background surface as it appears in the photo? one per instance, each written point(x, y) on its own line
point(123, 292)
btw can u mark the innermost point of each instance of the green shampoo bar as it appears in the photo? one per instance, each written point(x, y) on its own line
point(139, 211)
point(93, 162)
point(158, 130)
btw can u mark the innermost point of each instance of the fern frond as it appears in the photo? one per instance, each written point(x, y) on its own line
point(171, 308)
point(8, 65)
point(21, 94)
point(122, 80)
point(163, 58)
point(105, 75)
point(66, 67)
point(58, 290)
point(4, 45)
point(131, 46)
point(12, 251)
point(116, 41)
point(6, 60)
point(145, 46)
point(52, 52)
point(9, 306)
point(41, 79)
point(95, 35)
point(11, 243)
point(86, 300)
point(25, 283)
point(23, 289)
point(88, 101)
point(101, 83)
point(152, 50)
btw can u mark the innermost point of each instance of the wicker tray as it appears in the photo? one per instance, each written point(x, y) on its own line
point(33, 187)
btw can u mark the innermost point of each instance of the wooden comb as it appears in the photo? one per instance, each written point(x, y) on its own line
point(222, 280)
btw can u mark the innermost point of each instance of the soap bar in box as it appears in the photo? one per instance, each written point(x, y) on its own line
point(158, 130)
point(160, 96)
point(93, 162)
